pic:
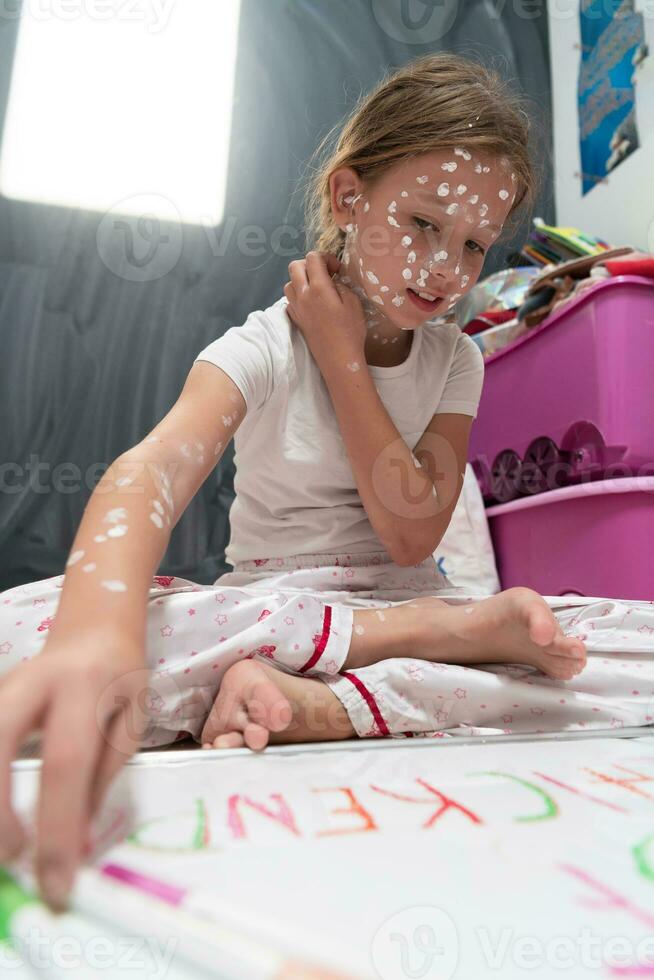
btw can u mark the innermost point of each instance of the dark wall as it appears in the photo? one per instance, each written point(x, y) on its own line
point(95, 347)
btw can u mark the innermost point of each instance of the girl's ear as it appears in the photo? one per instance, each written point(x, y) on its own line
point(345, 186)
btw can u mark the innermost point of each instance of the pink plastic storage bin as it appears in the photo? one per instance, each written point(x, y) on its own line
point(594, 539)
point(572, 399)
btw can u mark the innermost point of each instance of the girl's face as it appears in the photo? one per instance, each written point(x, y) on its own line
point(423, 227)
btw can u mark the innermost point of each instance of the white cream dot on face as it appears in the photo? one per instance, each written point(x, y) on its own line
point(457, 270)
point(473, 199)
point(407, 240)
point(460, 152)
point(349, 228)
point(119, 531)
point(152, 439)
point(461, 189)
point(392, 207)
point(373, 278)
point(359, 630)
point(477, 168)
point(124, 481)
point(392, 221)
point(483, 211)
point(156, 520)
point(354, 366)
point(503, 194)
point(452, 208)
point(378, 300)
point(378, 612)
point(464, 281)
point(114, 585)
point(75, 557)
point(450, 167)
point(99, 538)
point(440, 256)
point(384, 289)
point(91, 567)
point(411, 257)
point(443, 189)
point(366, 207)
point(185, 449)
point(486, 170)
point(483, 223)
point(406, 273)
point(399, 300)
point(422, 180)
point(405, 193)
point(227, 420)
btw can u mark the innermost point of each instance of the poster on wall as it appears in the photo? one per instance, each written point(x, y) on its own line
point(612, 47)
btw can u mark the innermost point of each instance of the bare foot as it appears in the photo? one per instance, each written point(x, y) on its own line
point(516, 626)
point(258, 704)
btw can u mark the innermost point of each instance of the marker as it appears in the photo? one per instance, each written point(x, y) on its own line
point(66, 945)
point(265, 954)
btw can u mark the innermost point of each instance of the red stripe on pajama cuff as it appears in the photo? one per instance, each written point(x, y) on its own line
point(322, 643)
point(370, 701)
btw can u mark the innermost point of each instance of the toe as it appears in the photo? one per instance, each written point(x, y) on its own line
point(227, 714)
point(268, 707)
point(230, 740)
point(569, 647)
point(256, 736)
point(542, 625)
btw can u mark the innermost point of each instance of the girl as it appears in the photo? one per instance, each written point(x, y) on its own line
point(351, 406)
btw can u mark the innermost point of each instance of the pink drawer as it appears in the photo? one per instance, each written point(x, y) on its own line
point(596, 539)
point(573, 398)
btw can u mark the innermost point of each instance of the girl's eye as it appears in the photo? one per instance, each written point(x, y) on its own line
point(476, 247)
point(422, 224)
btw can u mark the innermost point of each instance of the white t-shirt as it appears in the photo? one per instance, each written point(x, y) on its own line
point(295, 491)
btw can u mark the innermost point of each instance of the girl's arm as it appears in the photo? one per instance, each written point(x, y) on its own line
point(130, 516)
point(87, 684)
point(399, 497)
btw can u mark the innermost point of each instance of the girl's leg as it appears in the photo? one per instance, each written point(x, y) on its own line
point(401, 695)
point(516, 626)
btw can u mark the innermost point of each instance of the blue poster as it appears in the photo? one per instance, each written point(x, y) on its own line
point(612, 46)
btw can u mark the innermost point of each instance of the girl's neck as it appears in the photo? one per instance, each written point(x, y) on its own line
point(386, 344)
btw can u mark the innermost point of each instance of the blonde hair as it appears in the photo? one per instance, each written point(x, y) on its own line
point(433, 102)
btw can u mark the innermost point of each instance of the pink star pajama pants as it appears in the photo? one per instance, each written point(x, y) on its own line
point(298, 613)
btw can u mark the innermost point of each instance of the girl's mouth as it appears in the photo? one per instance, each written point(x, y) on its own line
point(422, 302)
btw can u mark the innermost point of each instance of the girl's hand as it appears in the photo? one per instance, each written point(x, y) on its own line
point(328, 314)
point(86, 694)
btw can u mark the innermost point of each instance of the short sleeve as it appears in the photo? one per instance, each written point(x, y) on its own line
point(462, 392)
point(251, 354)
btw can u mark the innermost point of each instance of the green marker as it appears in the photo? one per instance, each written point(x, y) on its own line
point(12, 900)
point(68, 945)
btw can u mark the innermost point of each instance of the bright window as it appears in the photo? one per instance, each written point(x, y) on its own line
point(112, 100)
